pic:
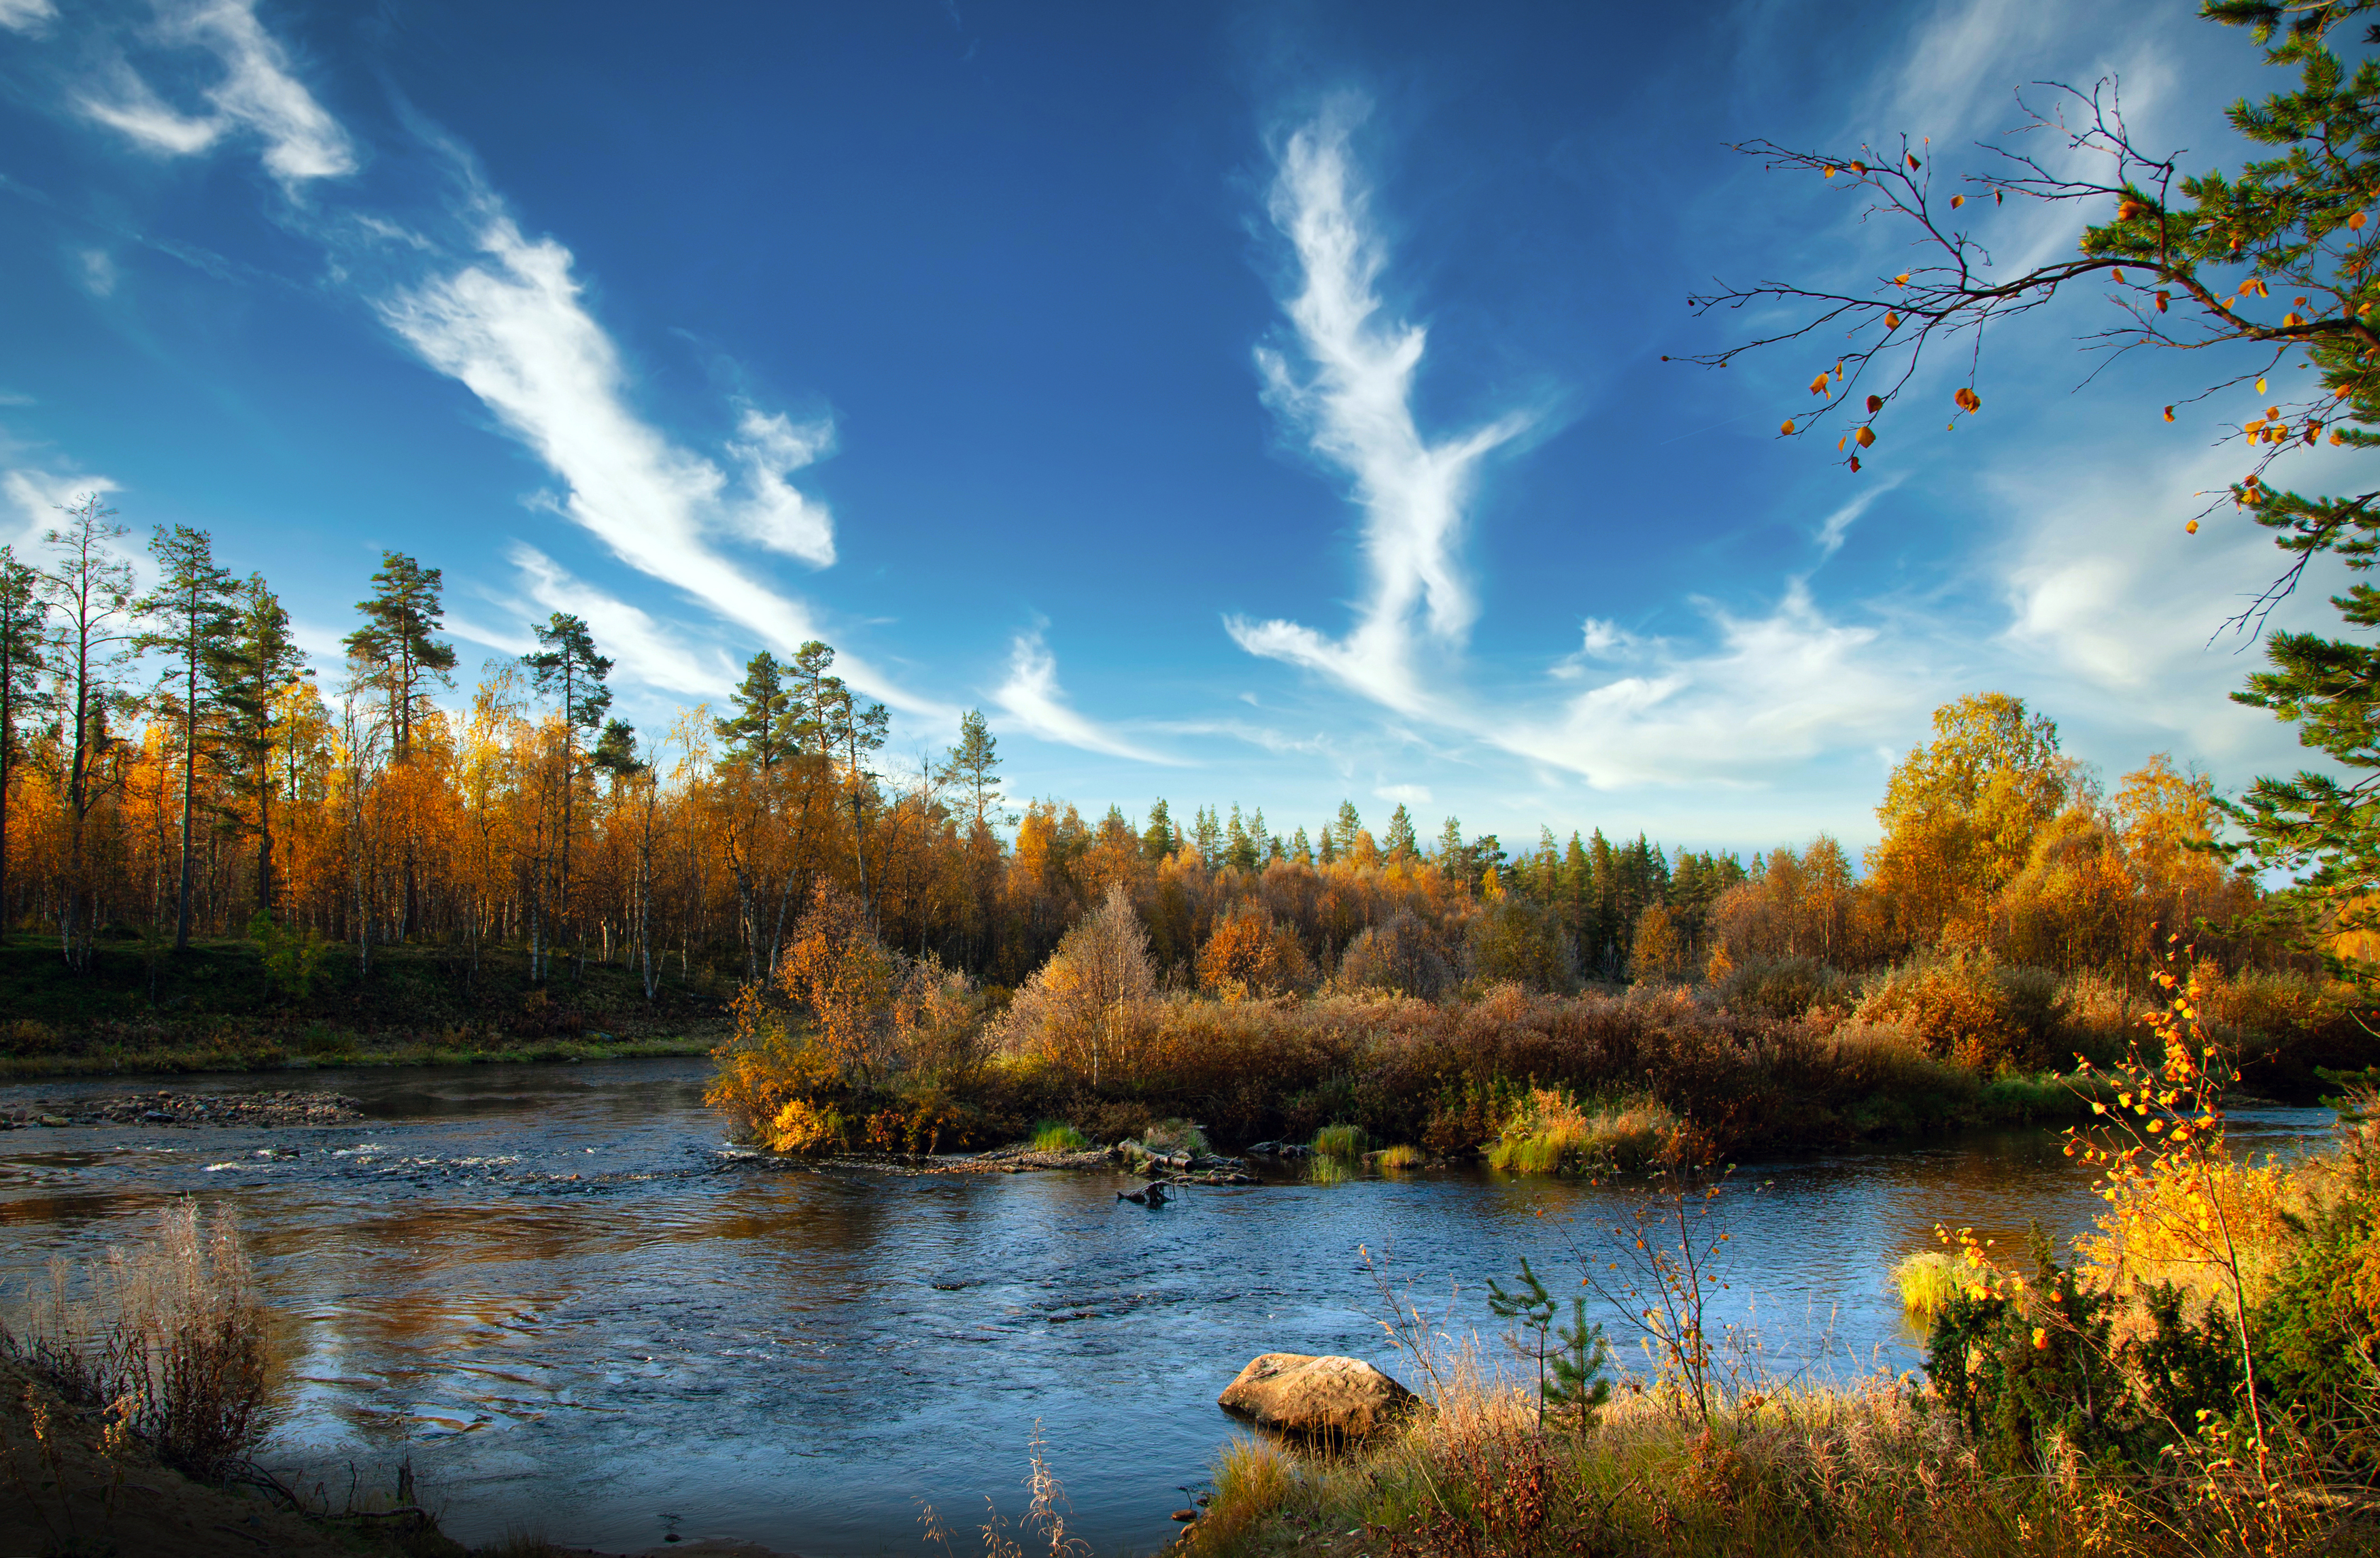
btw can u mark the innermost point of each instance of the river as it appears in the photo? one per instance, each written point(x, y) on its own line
point(664, 1347)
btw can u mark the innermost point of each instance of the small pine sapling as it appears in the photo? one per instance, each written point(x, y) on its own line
point(1570, 1359)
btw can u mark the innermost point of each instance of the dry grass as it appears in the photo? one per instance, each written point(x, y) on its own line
point(1390, 1159)
point(1552, 1134)
point(1872, 1471)
point(1928, 1281)
point(168, 1336)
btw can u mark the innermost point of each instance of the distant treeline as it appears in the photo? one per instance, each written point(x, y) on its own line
point(172, 767)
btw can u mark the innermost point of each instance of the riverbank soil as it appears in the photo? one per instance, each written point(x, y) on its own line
point(60, 1494)
point(226, 1005)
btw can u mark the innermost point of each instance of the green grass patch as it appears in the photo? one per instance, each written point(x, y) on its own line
point(1344, 1144)
point(1928, 1281)
point(1390, 1160)
point(1053, 1135)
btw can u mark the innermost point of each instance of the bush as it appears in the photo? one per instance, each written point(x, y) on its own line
point(168, 1337)
point(1175, 1135)
point(1781, 987)
point(1969, 1008)
point(1400, 955)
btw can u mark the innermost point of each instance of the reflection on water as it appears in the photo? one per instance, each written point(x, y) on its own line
point(657, 1346)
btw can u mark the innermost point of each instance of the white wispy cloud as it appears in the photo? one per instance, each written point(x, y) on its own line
point(779, 516)
point(27, 16)
point(1033, 697)
point(36, 496)
point(1769, 691)
point(255, 92)
point(1352, 397)
point(1836, 527)
point(647, 649)
point(95, 268)
point(514, 330)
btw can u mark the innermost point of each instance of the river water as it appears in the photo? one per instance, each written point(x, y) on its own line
point(667, 1346)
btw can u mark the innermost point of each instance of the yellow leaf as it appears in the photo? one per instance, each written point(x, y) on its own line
point(2189, 530)
point(1787, 427)
point(1901, 280)
point(1817, 384)
point(1866, 436)
point(1830, 171)
point(2272, 413)
point(2260, 386)
point(2119, 277)
point(1892, 322)
point(2162, 298)
point(2355, 223)
point(1840, 441)
point(1859, 167)
point(2340, 393)
point(2290, 319)
point(2168, 413)
point(1958, 200)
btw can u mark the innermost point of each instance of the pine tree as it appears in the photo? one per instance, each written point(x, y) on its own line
point(395, 651)
point(191, 609)
point(1400, 843)
point(22, 615)
point(249, 667)
point(971, 763)
point(1209, 838)
point(1343, 832)
point(1301, 851)
point(1239, 846)
point(1158, 839)
point(566, 668)
point(761, 729)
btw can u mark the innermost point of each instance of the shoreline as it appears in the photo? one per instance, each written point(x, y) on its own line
point(194, 1060)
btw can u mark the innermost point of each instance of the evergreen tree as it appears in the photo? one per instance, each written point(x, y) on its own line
point(1209, 838)
point(1330, 846)
point(970, 765)
point(249, 667)
point(761, 731)
point(1239, 848)
point(1343, 832)
point(1400, 844)
point(615, 752)
point(22, 615)
point(1301, 851)
point(1158, 840)
point(191, 611)
point(395, 651)
point(1268, 847)
point(566, 669)
point(1454, 855)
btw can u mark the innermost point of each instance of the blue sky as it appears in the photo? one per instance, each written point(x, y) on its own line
point(1248, 402)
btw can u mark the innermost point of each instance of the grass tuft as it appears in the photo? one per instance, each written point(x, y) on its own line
point(1390, 1158)
point(1056, 1135)
point(1345, 1144)
point(1928, 1281)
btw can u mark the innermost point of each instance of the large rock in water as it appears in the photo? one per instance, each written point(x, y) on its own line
point(1297, 1392)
